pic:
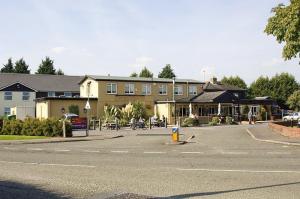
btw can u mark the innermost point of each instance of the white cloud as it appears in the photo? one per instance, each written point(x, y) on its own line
point(58, 49)
point(142, 61)
point(273, 62)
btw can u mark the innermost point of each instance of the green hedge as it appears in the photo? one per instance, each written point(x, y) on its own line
point(34, 127)
point(189, 122)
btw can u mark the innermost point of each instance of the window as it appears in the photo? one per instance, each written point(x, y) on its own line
point(212, 110)
point(192, 90)
point(163, 89)
point(146, 90)
point(26, 96)
point(51, 94)
point(178, 90)
point(129, 88)
point(111, 88)
point(6, 111)
point(7, 95)
point(68, 94)
point(254, 110)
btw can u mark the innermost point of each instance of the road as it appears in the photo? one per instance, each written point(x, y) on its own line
point(221, 162)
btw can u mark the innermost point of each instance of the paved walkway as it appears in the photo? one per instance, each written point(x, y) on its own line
point(263, 132)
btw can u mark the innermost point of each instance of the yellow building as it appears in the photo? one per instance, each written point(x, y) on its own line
point(119, 91)
point(55, 107)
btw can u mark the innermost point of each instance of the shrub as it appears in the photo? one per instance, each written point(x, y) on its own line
point(139, 110)
point(34, 127)
point(229, 120)
point(74, 109)
point(189, 122)
point(214, 121)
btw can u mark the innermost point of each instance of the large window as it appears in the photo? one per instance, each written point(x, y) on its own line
point(51, 94)
point(146, 90)
point(129, 88)
point(6, 111)
point(111, 88)
point(7, 95)
point(163, 89)
point(68, 94)
point(26, 96)
point(192, 90)
point(178, 90)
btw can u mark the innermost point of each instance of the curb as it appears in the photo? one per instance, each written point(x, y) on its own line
point(271, 141)
point(53, 140)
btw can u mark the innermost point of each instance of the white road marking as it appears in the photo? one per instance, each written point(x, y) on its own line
point(192, 152)
point(119, 151)
point(285, 146)
point(61, 150)
point(279, 153)
point(154, 152)
point(234, 152)
point(10, 148)
point(91, 151)
point(239, 170)
point(49, 164)
point(35, 149)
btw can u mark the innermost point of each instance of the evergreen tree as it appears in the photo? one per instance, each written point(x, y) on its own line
point(46, 67)
point(167, 72)
point(145, 73)
point(134, 74)
point(21, 67)
point(8, 68)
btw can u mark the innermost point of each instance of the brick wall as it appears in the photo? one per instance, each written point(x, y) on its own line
point(284, 130)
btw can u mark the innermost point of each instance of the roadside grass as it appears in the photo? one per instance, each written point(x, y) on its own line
point(20, 137)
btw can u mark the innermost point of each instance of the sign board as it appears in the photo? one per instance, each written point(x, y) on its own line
point(87, 105)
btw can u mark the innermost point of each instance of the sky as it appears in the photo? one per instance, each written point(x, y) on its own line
point(199, 38)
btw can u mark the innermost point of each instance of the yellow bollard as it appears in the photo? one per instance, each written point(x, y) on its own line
point(175, 134)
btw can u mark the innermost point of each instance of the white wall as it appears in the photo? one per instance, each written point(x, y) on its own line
point(16, 101)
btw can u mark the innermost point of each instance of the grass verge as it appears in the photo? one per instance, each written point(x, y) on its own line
point(20, 137)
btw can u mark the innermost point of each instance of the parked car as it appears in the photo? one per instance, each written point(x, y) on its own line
point(293, 116)
point(76, 121)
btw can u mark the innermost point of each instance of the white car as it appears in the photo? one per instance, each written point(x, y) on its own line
point(293, 116)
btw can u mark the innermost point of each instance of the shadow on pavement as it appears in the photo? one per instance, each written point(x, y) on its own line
point(16, 190)
point(191, 195)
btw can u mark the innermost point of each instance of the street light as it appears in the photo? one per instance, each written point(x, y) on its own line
point(174, 101)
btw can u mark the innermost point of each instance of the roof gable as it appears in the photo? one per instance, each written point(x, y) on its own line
point(17, 87)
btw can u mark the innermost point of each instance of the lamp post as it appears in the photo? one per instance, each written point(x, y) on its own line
point(87, 108)
point(174, 101)
point(64, 122)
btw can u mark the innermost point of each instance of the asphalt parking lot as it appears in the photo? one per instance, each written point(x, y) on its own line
point(220, 162)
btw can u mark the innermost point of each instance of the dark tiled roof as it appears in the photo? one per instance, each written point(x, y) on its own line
point(211, 97)
point(140, 79)
point(58, 83)
point(220, 87)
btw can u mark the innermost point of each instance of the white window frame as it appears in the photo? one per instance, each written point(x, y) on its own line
point(51, 93)
point(193, 90)
point(256, 108)
point(130, 90)
point(178, 90)
point(163, 89)
point(8, 95)
point(109, 88)
point(25, 96)
point(146, 89)
point(7, 112)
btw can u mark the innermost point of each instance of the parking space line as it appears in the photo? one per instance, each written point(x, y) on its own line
point(119, 151)
point(279, 153)
point(62, 150)
point(234, 153)
point(49, 164)
point(35, 149)
point(10, 148)
point(91, 151)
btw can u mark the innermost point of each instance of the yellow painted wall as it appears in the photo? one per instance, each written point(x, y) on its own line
point(93, 88)
point(52, 108)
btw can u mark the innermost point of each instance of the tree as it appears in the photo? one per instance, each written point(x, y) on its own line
point(294, 101)
point(74, 109)
point(134, 74)
point(261, 87)
point(60, 72)
point(282, 86)
point(167, 72)
point(145, 73)
point(46, 67)
point(21, 67)
point(8, 68)
point(234, 81)
point(285, 26)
